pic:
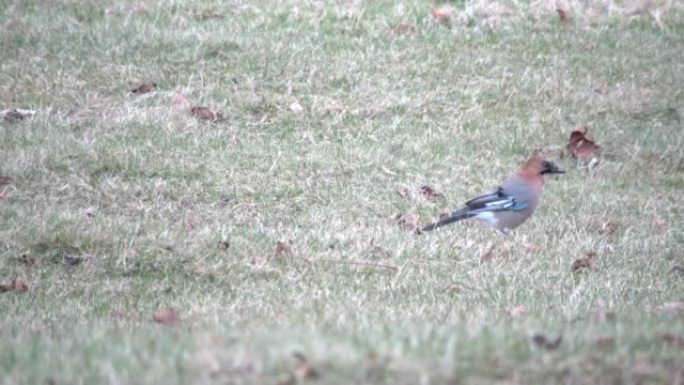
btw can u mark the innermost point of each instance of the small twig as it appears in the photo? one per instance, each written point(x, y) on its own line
point(368, 264)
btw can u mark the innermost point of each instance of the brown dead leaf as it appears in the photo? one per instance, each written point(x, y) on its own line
point(282, 248)
point(586, 262)
point(487, 255)
point(517, 310)
point(15, 114)
point(5, 180)
point(206, 114)
point(409, 223)
point(166, 316)
point(563, 15)
point(18, 285)
point(429, 193)
point(677, 270)
point(144, 88)
point(546, 343)
point(582, 148)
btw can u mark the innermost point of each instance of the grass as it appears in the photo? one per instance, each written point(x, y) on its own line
point(123, 203)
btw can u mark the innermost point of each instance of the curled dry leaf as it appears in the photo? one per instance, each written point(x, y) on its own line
point(546, 343)
point(517, 310)
point(582, 148)
point(144, 88)
point(18, 285)
point(14, 114)
point(206, 114)
point(282, 248)
point(586, 262)
point(429, 193)
point(409, 222)
point(166, 316)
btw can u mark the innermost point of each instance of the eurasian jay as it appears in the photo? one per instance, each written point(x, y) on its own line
point(512, 203)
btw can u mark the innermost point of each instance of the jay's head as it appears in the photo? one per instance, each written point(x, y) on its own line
point(538, 165)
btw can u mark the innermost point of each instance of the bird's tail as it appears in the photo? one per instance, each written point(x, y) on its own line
point(453, 217)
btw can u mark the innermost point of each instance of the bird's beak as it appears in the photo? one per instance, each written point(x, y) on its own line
point(551, 168)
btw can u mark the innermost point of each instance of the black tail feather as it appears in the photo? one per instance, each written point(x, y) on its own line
point(454, 217)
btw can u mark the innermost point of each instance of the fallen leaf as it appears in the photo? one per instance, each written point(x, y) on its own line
point(517, 310)
point(602, 89)
point(206, 114)
point(563, 15)
point(487, 255)
point(543, 342)
point(409, 222)
point(5, 180)
point(429, 193)
point(14, 114)
point(606, 343)
point(282, 248)
point(582, 148)
point(586, 262)
point(144, 88)
point(676, 270)
point(18, 285)
point(296, 107)
point(442, 14)
point(166, 316)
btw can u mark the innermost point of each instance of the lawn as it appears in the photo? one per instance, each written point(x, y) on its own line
point(273, 242)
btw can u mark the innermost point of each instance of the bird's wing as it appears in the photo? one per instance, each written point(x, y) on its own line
point(498, 200)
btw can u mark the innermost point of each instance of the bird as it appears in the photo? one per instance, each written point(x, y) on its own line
point(511, 203)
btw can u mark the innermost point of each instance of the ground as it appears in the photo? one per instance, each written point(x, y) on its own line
point(280, 233)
